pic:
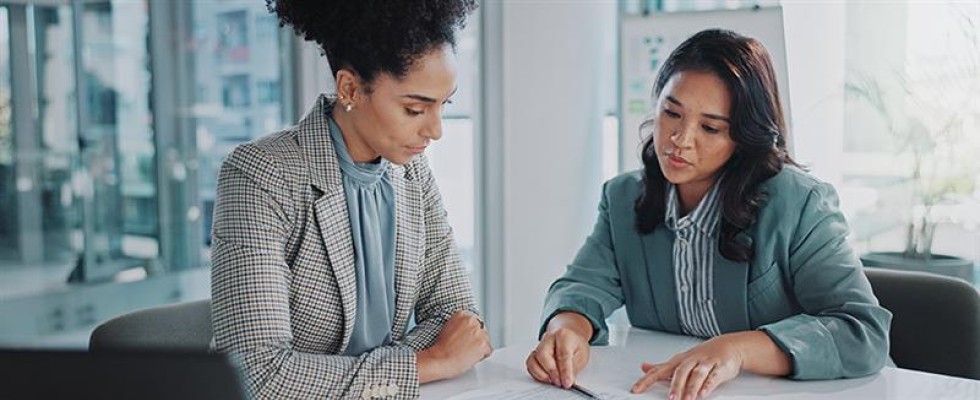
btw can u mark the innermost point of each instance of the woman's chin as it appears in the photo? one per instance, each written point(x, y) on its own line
point(400, 158)
point(676, 177)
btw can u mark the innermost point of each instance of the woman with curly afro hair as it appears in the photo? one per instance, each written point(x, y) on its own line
point(330, 237)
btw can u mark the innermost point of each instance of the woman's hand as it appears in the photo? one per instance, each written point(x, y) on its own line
point(563, 350)
point(697, 372)
point(461, 344)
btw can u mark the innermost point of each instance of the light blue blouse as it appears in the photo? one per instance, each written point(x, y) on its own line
point(371, 207)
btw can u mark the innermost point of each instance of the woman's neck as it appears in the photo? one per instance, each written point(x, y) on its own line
point(691, 193)
point(358, 149)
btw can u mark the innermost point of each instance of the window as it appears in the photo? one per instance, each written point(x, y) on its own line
point(233, 36)
point(226, 79)
point(912, 110)
point(7, 217)
point(235, 91)
point(268, 92)
point(93, 192)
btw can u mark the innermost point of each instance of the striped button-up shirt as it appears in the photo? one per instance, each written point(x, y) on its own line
point(695, 241)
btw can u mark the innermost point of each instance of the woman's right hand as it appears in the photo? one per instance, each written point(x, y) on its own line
point(461, 344)
point(563, 350)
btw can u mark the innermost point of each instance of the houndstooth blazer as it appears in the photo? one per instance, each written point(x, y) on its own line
point(283, 280)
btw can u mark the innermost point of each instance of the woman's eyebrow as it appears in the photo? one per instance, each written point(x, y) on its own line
point(674, 100)
point(426, 99)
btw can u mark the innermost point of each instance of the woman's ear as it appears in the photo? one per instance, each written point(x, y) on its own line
point(347, 87)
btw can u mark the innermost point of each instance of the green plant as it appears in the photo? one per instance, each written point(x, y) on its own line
point(928, 116)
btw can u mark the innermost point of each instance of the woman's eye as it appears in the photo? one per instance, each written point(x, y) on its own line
point(671, 113)
point(709, 129)
point(412, 112)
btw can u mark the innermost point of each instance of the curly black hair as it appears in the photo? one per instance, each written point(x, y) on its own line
point(374, 36)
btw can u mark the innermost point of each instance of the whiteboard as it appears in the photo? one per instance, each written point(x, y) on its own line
point(646, 41)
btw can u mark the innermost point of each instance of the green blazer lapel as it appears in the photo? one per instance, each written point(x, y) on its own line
point(660, 269)
point(730, 282)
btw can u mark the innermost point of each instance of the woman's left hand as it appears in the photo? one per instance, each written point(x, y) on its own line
point(695, 373)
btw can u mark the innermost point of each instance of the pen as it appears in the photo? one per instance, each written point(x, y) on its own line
point(581, 390)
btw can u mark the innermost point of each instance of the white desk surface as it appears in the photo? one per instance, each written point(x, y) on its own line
point(613, 370)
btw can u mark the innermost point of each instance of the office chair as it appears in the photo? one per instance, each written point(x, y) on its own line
point(182, 327)
point(936, 321)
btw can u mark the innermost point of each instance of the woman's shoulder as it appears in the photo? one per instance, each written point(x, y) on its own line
point(267, 157)
point(793, 187)
point(626, 185)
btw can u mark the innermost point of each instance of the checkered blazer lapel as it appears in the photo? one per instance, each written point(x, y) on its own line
point(409, 239)
point(334, 221)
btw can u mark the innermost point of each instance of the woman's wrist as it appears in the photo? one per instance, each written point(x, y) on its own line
point(573, 321)
point(759, 354)
point(429, 365)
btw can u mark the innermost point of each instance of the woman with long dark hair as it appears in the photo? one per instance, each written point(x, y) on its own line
point(721, 236)
point(330, 237)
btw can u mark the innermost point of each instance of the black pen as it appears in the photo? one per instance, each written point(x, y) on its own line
point(581, 390)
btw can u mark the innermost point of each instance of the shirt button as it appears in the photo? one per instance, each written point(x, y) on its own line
point(684, 288)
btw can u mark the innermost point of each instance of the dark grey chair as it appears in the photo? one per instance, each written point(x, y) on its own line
point(180, 327)
point(936, 324)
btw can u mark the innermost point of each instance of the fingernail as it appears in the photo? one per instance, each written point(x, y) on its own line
point(671, 396)
point(704, 392)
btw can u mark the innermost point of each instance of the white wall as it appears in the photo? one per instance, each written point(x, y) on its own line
point(552, 112)
point(815, 59)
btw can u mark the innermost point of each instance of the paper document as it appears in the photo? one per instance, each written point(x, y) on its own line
point(536, 392)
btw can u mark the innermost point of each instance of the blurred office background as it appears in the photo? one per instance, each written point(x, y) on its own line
point(116, 114)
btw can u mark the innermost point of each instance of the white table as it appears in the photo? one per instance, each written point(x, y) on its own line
point(613, 370)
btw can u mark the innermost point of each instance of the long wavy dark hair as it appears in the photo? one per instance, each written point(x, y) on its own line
point(757, 128)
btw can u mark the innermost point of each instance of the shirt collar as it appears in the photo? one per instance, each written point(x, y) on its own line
point(705, 217)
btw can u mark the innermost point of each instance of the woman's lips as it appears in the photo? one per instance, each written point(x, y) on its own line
point(677, 162)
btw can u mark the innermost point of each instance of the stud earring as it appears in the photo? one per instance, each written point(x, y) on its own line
point(348, 107)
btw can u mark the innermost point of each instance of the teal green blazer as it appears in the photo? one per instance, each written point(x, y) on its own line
point(804, 287)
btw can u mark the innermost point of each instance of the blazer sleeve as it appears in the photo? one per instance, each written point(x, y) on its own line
point(591, 283)
point(443, 286)
point(250, 297)
point(843, 331)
